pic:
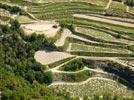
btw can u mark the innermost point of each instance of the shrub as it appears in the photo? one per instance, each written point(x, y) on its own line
point(74, 65)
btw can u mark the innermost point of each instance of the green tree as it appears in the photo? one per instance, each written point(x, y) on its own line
point(14, 24)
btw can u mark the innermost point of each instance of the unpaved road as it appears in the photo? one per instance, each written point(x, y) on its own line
point(66, 33)
point(105, 20)
point(108, 5)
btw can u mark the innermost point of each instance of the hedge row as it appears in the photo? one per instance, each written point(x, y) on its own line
point(122, 71)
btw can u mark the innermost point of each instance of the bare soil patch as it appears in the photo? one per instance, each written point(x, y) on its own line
point(48, 57)
point(41, 27)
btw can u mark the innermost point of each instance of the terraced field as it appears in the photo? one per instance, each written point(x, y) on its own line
point(95, 85)
point(93, 45)
point(96, 2)
point(117, 5)
point(88, 32)
point(81, 47)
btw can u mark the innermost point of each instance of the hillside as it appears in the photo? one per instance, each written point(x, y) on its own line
point(67, 49)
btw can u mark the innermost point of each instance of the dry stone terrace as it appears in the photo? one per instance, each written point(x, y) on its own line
point(90, 45)
point(107, 35)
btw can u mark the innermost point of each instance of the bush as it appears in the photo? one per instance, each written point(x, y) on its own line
point(131, 48)
point(66, 25)
point(74, 65)
point(14, 24)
